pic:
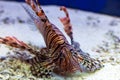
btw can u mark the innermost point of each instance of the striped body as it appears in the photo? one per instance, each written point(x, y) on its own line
point(59, 49)
point(57, 45)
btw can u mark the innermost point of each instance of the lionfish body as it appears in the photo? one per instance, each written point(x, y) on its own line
point(57, 45)
point(59, 55)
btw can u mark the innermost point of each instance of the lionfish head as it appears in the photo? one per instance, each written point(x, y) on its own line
point(68, 62)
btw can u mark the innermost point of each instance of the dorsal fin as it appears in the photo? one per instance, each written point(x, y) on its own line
point(38, 10)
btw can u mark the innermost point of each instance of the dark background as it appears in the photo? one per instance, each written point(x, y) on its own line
point(110, 7)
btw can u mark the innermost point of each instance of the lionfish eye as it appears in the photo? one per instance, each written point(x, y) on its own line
point(73, 51)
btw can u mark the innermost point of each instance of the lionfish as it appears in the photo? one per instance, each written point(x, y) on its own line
point(59, 56)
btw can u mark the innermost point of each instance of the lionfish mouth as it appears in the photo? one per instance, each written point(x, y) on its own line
point(67, 66)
